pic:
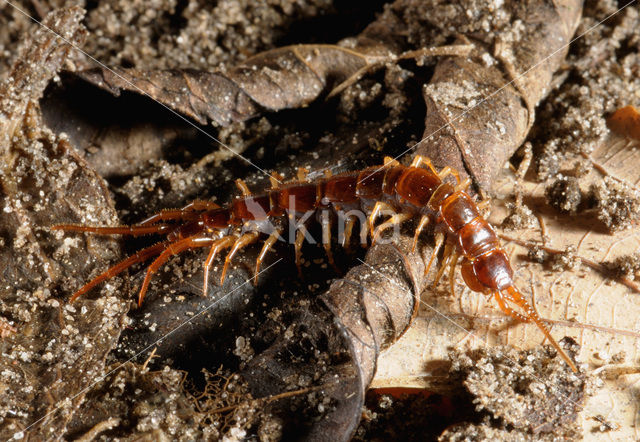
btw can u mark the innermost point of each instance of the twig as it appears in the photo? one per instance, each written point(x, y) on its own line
point(99, 428)
point(589, 263)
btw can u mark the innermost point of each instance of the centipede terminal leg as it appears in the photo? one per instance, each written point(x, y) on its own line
point(137, 230)
point(183, 213)
point(120, 267)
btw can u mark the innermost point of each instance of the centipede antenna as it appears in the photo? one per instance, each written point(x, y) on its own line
point(532, 315)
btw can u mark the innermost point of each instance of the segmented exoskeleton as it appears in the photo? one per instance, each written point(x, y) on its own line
point(405, 192)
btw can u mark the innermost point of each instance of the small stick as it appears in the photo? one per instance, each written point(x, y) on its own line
point(589, 263)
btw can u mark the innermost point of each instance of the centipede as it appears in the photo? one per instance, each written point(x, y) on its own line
point(439, 199)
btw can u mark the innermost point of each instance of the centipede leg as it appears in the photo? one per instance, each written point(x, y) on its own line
point(180, 214)
point(326, 240)
point(421, 225)
point(483, 204)
point(141, 256)
point(436, 248)
point(216, 246)
point(172, 249)
point(376, 212)
point(265, 248)
point(419, 160)
point(396, 219)
point(365, 229)
point(389, 161)
point(348, 230)
point(275, 179)
point(300, 234)
point(240, 184)
point(115, 230)
point(464, 185)
point(452, 274)
point(302, 173)
point(446, 260)
point(446, 171)
point(240, 243)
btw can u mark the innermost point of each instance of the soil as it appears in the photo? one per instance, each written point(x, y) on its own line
point(103, 159)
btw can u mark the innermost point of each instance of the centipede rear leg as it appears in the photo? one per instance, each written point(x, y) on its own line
point(185, 213)
point(172, 249)
point(120, 267)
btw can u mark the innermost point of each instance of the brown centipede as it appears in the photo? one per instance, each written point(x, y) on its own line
point(405, 192)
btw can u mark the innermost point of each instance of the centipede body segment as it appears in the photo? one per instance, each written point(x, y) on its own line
point(359, 197)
